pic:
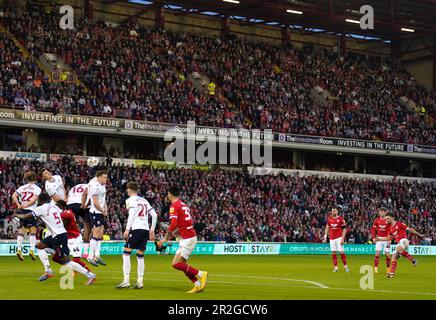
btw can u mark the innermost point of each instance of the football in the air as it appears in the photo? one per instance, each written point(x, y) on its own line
point(92, 162)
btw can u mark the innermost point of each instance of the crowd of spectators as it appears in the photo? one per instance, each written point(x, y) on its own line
point(235, 206)
point(143, 74)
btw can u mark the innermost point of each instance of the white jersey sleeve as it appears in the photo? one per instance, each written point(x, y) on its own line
point(75, 193)
point(88, 188)
point(139, 211)
point(26, 194)
point(98, 190)
point(51, 216)
point(55, 187)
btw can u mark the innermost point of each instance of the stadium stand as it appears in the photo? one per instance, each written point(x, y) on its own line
point(249, 208)
point(143, 74)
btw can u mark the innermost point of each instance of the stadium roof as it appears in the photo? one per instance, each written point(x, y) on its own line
point(322, 15)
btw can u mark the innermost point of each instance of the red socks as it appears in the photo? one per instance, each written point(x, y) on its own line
point(388, 261)
point(79, 261)
point(393, 266)
point(407, 255)
point(344, 258)
point(191, 277)
point(182, 266)
point(335, 259)
point(56, 258)
point(376, 260)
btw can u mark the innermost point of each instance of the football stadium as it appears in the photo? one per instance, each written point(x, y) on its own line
point(217, 150)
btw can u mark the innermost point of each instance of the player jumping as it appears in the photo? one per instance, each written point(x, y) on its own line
point(75, 243)
point(50, 214)
point(380, 228)
point(87, 227)
point(337, 227)
point(181, 219)
point(26, 200)
point(76, 204)
point(97, 194)
point(54, 185)
point(398, 232)
point(137, 233)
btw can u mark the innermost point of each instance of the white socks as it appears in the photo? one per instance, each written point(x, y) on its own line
point(77, 267)
point(126, 267)
point(97, 249)
point(42, 254)
point(85, 247)
point(92, 247)
point(200, 273)
point(32, 239)
point(20, 239)
point(140, 268)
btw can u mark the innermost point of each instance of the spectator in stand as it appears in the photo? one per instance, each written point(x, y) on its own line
point(142, 74)
point(233, 205)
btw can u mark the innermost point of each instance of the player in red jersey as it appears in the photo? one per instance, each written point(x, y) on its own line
point(380, 228)
point(181, 220)
point(398, 232)
point(75, 243)
point(337, 229)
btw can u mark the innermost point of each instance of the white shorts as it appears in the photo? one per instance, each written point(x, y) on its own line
point(335, 245)
point(383, 246)
point(403, 243)
point(186, 246)
point(75, 245)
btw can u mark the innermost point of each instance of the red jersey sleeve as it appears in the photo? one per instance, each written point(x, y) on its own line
point(173, 219)
point(343, 223)
point(403, 226)
point(66, 215)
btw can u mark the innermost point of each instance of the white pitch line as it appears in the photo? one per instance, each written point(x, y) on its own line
point(320, 285)
point(317, 284)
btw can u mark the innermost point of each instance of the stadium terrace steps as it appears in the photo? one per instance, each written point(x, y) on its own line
point(26, 54)
point(323, 96)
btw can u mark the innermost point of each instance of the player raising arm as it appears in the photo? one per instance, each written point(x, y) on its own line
point(380, 228)
point(181, 220)
point(26, 200)
point(337, 228)
point(398, 232)
point(54, 185)
point(87, 228)
point(137, 233)
point(97, 193)
point(50, 214)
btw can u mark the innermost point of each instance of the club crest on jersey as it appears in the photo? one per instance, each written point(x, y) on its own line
point(172, 210)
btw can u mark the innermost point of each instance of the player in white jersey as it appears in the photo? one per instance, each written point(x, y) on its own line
point(87, 230)
point(54, 185)
point(26, 199)
point(97, 212)
point(50, 214)
point(137, 233)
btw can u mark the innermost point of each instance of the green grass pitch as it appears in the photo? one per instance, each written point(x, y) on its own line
point(230, 277)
